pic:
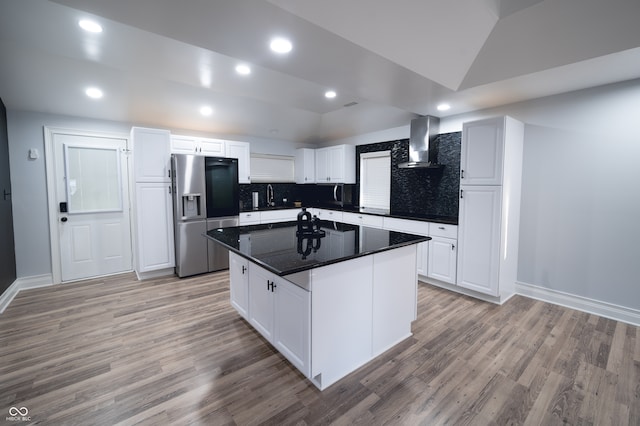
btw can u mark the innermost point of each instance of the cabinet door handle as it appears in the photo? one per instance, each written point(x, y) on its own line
point(268, 284)
point(169, 189)
point(461, 174)
point(453, 247)
point(441, 227)
point(461, 194)
point(244, 268)
point(273, 286)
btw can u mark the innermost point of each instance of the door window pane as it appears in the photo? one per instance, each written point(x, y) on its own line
point(93, 179)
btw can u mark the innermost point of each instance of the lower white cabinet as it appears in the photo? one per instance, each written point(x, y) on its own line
point(479, 238)
point(281, 312)
point(422, 260)
point(239, 287)
point(441, 260)
point(154, 227)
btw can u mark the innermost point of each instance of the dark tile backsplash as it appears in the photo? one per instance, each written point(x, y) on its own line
point(421, 191)
point(432, 192)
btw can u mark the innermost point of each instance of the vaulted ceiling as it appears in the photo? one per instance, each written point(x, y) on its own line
point(159, 61)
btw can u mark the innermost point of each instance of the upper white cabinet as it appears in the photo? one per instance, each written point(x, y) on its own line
point(305, 165)
point(481, 157)
point(216, 148)
point(198, 146)
point(489, 221)
point(336, 164)
point(151, 154)
point(241, 151)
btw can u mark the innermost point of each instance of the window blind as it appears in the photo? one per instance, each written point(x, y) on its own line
point(375, 179)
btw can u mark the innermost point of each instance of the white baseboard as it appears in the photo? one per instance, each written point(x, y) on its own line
point(596, 307)
point(23, 284)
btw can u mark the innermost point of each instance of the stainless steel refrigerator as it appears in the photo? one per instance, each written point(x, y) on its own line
point(205, 197)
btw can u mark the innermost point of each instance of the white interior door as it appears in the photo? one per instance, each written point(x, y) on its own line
point(92, 202)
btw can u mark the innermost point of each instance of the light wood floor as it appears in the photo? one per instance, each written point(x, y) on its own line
point(173, 352)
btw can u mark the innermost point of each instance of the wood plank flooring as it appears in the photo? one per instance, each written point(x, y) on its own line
point(168, 351)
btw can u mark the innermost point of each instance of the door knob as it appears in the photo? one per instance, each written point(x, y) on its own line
point(63, 219)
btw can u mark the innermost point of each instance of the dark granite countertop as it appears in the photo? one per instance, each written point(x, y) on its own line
point(277, 248)
point(450, 220)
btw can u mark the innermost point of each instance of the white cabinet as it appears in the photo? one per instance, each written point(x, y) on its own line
point(239, 284)
point(249, 218)
point(479, 238)
point(274, 216)
point(441, 260)
point(362, 219)
point(489, 221)
point(481, 152)
point(422, 261)
point(336, 164)
point(151, 154)
point(281, 312)
point(261, 301)
point(305, 165)
point(197, 146)
point(443, 252)
point(153, 210)
point(333, 215)
point(241, 151)
point(154, 227)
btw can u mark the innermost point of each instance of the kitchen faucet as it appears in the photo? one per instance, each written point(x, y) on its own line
point(270, 201)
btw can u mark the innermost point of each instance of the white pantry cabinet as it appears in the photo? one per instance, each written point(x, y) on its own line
point(305, 165)
point(153, 210)
point(197, 146)
point(241, 151)
point(239, 284)
point(281, 312)
point(489, 216)
point(336, 164)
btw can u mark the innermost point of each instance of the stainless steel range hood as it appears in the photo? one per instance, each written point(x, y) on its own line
point(424, 131)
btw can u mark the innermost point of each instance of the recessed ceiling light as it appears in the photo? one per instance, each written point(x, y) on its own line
point(94, 92)
point(243, 69)
point(281, 45)
point(444, 107)
point(330, 94)
point(91, 26)
point(206, 110)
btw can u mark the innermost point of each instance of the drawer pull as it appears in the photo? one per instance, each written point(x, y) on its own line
point(441, 227)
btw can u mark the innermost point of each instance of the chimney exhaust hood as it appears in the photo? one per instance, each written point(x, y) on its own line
point(422, 152)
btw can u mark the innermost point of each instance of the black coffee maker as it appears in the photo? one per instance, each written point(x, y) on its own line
point(308, 226)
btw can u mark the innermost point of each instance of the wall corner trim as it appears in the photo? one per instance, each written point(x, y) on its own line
point(592, 306)
point(23, 284)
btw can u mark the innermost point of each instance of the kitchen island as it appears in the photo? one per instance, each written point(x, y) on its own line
point(329, 302)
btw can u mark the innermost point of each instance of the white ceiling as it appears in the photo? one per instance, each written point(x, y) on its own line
point(158, 61)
